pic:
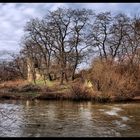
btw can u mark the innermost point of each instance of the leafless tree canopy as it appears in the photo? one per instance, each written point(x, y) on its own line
point(62, 40)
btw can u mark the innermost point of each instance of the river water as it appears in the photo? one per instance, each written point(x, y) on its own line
point(68, 119)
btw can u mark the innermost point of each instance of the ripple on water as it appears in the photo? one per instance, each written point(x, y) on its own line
point(125, 118)
point(53, 119)
point(121, 125)
point(114, 111)
point(102, 110)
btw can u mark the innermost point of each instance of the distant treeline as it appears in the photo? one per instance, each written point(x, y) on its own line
point(63, 39)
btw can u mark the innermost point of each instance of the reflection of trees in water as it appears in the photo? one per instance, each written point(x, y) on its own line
point(64, 118)
point(48, 118)
point(36, 117)
point(43, 117)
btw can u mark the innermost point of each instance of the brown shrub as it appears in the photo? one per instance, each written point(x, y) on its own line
point(100, 97)
point(53, 96)
point(28, 87)
point(111, 82)
point(46, 89)
point(79, 92)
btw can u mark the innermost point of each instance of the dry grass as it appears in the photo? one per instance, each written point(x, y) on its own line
point(15, 83)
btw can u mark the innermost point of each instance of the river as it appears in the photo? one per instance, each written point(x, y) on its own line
point(68, 119)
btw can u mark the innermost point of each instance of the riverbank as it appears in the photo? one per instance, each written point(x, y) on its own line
point(23, 90)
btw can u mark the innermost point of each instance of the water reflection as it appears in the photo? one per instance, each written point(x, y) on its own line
point(63, 118)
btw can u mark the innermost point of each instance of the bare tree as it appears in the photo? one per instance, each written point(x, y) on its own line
point(38, 32)
point(99, 33)
point(80, 22)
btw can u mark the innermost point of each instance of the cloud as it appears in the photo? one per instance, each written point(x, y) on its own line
point(13, 17)
point(113, 7)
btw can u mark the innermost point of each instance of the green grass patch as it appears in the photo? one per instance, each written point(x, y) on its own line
point(39, 82)
point(51, 83)
point(48, 83)
point(54, 85)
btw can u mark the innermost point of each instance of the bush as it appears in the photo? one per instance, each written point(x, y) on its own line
point(29, 87)
point(79, 92)
point(46, 89)
point(100, 96)
point(109, 79)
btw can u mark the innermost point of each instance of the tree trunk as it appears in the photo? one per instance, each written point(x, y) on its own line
point(73, 75)
point(75, 66)
point(66, 77)
point(62, 78)
point(49, 76)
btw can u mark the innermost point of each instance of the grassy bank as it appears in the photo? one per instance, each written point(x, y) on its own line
point(75, 91)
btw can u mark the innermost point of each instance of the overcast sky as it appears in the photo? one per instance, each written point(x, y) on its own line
point(13, 17)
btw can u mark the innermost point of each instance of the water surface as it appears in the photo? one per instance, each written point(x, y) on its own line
point(68, 119)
